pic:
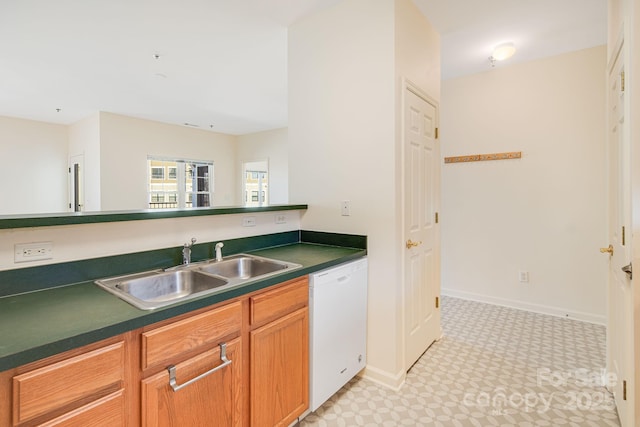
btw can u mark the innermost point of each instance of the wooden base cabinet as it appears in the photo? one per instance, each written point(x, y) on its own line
point(279, 371)
point(279, 378)
point(77, 389)
point(193, 373)
point(244, 363)
point(212, 398)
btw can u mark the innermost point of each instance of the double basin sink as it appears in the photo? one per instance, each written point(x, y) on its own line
point(159, 288)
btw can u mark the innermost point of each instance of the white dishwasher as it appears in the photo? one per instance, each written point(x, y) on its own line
point(338, 328)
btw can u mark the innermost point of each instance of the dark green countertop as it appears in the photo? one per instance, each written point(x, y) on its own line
point(43, 323)
point(69, 218)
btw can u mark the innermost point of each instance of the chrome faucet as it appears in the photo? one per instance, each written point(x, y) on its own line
point(219, 246)
point(186, 252)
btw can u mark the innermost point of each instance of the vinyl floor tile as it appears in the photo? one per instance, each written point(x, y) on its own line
point(494, 366)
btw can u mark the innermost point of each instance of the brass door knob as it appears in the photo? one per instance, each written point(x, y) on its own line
point(608, 250)
point(411, 244)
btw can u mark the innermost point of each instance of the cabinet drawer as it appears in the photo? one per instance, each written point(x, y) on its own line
point(107, 412)
point(166, 343)
point(274, 304)
point(70, 381)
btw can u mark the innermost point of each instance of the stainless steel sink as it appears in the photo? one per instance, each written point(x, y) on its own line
point(158, 288)
point(244, 267)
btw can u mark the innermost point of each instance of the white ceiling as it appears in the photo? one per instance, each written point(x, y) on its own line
point(470, 29)
point(223, 64)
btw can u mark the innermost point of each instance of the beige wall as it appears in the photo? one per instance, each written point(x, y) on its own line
point(270, 146)
point(544, 213)
point(615, 19)
point(75, 242)
point(417, 50)
point(417, 56)
point(105, 140)
point(343, 139)
point(34, 167)
point(115, 150)
point(125, 143)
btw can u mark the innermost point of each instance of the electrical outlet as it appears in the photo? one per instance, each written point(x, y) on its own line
point(523, 276)
point(281, 219)
point(249, 221)
point(27, 252)
point(345, 207)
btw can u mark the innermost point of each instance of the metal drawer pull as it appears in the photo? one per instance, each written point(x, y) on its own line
point(172, 370)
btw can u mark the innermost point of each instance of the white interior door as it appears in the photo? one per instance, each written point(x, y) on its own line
point(620, 298)
point(421, 240)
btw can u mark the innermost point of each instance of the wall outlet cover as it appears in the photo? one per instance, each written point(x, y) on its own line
point(27, 252)
point(523, 277)
point(249, 221)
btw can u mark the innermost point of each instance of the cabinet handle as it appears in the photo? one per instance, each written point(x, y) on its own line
point(172, 370)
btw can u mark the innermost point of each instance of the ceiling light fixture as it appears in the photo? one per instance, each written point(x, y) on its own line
point(501, 52)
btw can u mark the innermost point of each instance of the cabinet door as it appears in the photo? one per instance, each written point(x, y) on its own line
point(280, 370)
point(213, 400)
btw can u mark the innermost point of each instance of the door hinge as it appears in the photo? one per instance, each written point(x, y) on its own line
point(624, 390)
point(437, 133)
point(623, 236)
point(437, 218)
point(437, 302)
point(622, 81)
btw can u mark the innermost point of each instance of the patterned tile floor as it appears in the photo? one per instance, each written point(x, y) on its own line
point(494, 366)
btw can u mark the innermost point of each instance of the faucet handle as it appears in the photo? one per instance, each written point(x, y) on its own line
point(188, 245)
point(219, 246)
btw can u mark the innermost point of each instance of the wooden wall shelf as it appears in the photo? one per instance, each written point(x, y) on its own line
point(484, 157)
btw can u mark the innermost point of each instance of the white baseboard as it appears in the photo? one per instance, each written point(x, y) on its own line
point(383, 378)
point(522, 305)
point(378, 376)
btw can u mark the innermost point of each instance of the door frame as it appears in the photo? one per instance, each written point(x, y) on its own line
point(632, 44)
point(619, 287)
point(630, 33)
